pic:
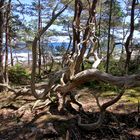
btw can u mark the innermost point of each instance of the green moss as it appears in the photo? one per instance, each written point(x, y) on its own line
point(108, 94)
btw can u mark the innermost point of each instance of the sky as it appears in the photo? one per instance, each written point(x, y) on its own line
point(28, 18)
point(23, 1)
point(61, 39)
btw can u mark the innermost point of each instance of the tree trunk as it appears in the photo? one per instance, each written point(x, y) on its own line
point(39, 58)
point(6, 58)
point(34, 47)
point(108, 44)
point(1, 43)
point(130, 37)
point(94, 74)
point(127, 62)
point(39, 46)
point(28, 58)
point(11, 53)
point(99, 29)
point(86, 35)
point(70, 37)
point(76, 25)
point(7, 41)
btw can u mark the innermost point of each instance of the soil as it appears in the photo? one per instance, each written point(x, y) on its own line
point(20, 121)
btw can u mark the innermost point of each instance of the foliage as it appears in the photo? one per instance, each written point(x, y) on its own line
point(115, 67)
point(87, 65)
point(134, 67)
point(18, 75)
point(100, 86)
point(117, 12)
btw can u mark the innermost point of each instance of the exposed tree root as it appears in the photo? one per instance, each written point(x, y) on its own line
point(47, 117)
point(102, 108)
point(92, 126)
point(41, 104)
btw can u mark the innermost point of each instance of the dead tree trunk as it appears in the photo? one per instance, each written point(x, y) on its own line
point(95, 74)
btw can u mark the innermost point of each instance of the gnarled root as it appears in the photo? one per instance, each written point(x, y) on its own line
point(92, 126)
point(65, 101)
point(73, 100)
point(102, 108)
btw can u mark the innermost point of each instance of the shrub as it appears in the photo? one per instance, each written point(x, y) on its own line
point(96, 85)
point(115, 67)
point(18, 75)
point(134, 67)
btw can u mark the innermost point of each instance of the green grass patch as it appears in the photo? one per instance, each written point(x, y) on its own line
point(108, 94)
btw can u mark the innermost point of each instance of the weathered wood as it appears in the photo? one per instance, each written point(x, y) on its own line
point(127, 81)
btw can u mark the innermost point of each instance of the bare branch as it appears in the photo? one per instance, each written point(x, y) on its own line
point(95, 74)
point(54, 10)
point(34, 48)
point(113, 101)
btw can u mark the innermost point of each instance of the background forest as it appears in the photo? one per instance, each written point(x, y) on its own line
point(69, 69)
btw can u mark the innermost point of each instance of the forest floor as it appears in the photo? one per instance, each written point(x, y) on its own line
point(19, 120)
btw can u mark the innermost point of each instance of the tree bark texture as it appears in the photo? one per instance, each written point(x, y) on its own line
point(95, 74)
point(76, 24)
point(87, 33)
point(108, 44)
point(1, 43)
point(130, 37)
point(7, 40)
